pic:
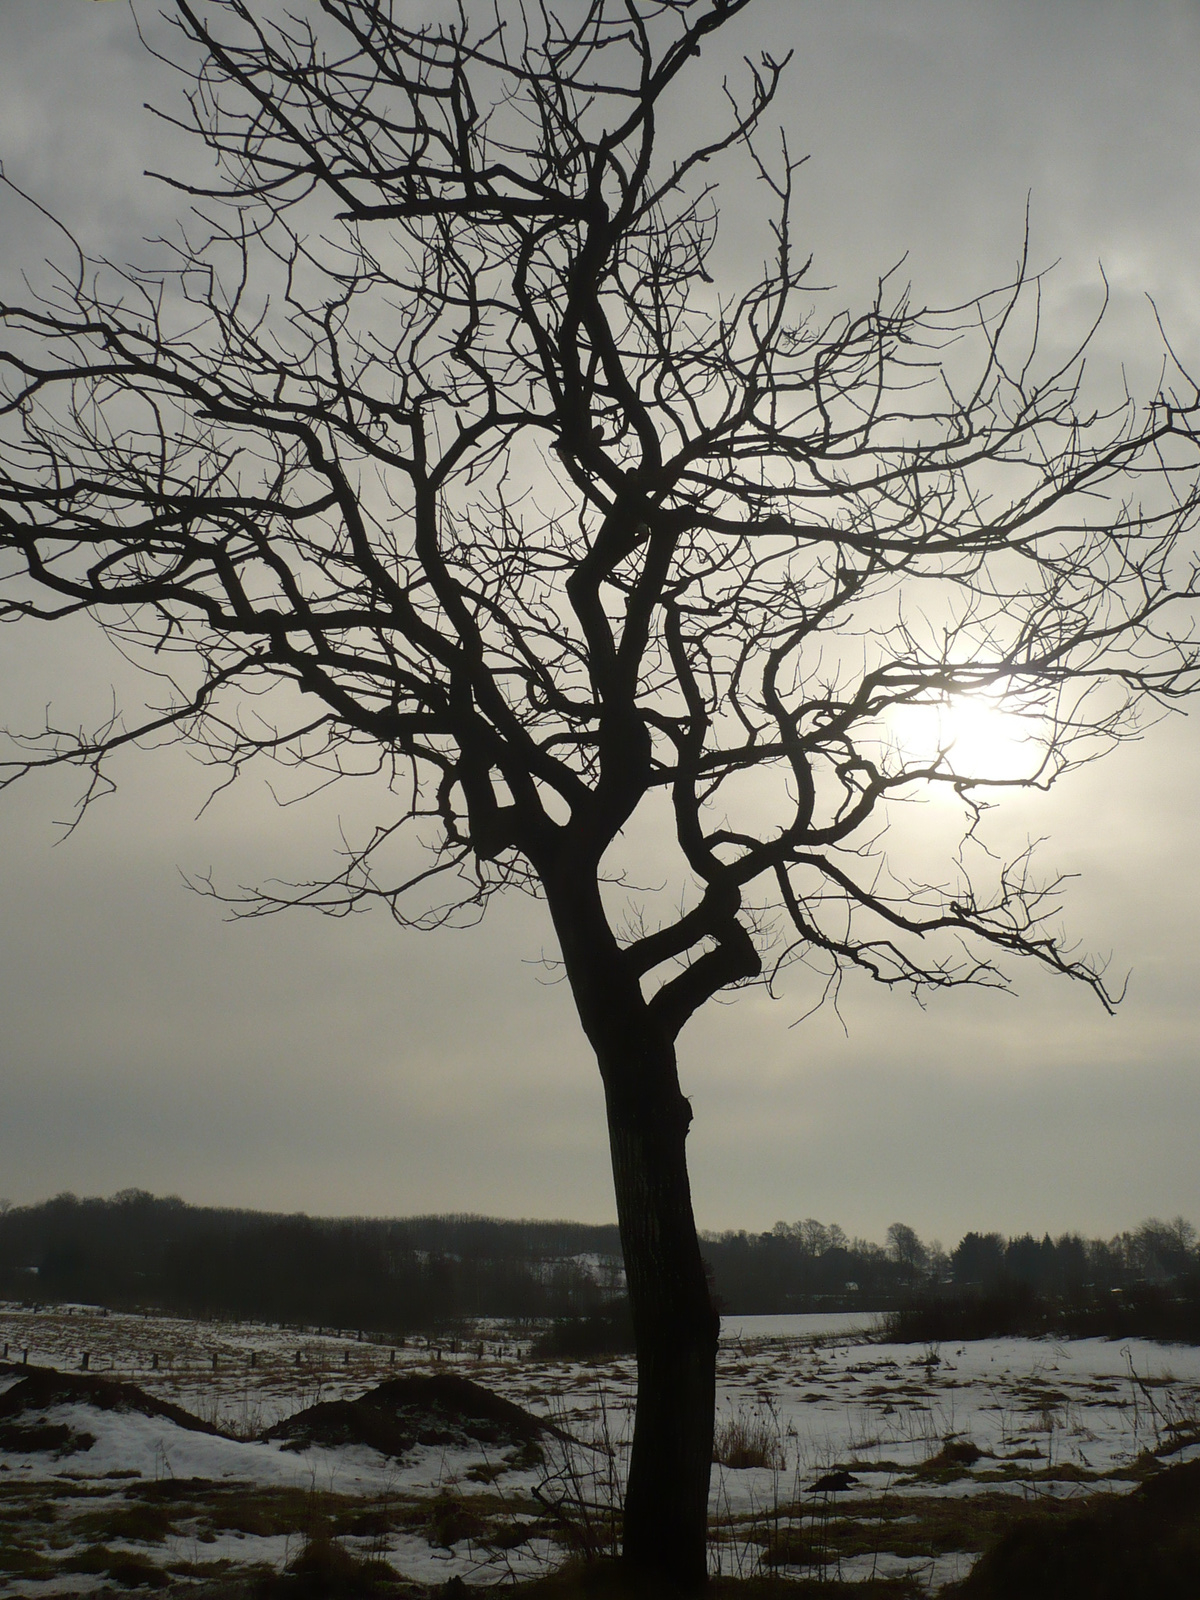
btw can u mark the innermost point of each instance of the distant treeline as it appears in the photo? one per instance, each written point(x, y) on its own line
point(136, 1251)
point(1144, 1284)
point(810, 1266)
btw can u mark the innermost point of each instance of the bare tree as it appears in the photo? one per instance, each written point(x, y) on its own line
point(907, 1250)
point(430, 455)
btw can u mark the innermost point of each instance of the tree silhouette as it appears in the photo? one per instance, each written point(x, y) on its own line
point(429, 454)
point(907, 1250)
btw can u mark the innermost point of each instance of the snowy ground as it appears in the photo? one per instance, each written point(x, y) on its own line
point(935, 1447)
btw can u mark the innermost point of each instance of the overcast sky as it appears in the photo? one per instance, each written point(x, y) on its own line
point(300, 1064)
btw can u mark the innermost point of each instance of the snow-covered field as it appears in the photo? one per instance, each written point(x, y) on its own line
point(923, 1450)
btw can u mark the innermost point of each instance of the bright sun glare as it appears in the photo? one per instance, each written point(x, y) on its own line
point(978, 737)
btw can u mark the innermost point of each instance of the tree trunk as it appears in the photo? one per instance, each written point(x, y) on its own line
point(675, 1323)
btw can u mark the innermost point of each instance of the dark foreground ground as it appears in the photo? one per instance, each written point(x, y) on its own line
point(223, 1462)
point(1143, 1546)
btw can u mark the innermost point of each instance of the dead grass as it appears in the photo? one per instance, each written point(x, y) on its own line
point(129, 1570)
point(608, 1581)
point(789, 1546)
point(127, 1523)
point(954, 1460)
point(750, 1438)
point(1143, 1546)
point(794, 1550)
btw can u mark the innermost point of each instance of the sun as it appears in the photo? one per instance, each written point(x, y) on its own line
point(976, 737)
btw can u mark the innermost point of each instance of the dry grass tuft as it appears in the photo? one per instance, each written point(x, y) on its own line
point(750, 1439)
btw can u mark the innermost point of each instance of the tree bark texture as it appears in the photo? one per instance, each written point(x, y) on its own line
point(676, 1325)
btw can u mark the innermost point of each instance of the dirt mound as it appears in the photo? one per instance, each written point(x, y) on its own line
point(1141, 1546)
point(41, 1387)
point(395, 1416)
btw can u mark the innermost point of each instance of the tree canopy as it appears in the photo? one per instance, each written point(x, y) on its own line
point(444, 447)
point(431, 439)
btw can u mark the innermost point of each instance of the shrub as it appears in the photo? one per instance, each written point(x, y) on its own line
point(608, 1332)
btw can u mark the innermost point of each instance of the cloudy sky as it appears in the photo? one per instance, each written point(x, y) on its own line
point(341, 1067)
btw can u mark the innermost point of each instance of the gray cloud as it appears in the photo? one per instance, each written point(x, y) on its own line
point(302, 1064)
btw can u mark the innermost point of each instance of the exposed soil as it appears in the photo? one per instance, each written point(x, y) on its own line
point(41, 1437)
point(41, 1387)
point(443, 1409)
